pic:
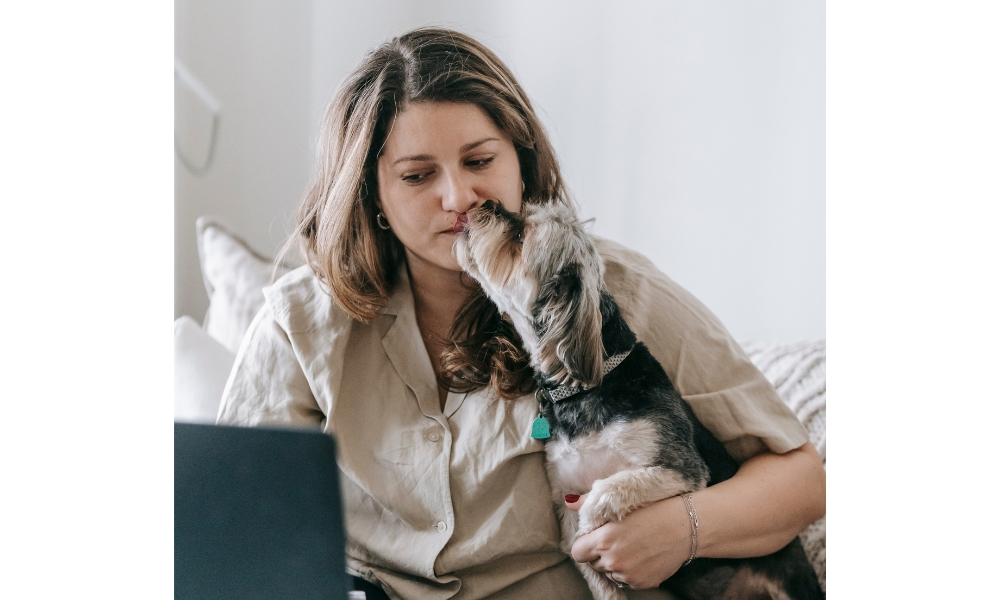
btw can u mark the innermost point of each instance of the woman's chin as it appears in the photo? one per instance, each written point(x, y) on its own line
point(439, 260)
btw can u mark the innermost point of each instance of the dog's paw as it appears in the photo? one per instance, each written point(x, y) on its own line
point(607, 502)
point(589, 521)
point(602, 506)
point(613, 498)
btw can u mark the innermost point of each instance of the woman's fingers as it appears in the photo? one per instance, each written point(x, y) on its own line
point(643, 549)
point(585, 549)
point(588, 548)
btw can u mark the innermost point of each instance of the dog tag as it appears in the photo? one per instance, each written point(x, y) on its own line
point(540, 428)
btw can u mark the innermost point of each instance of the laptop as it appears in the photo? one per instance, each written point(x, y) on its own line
point(257, 514)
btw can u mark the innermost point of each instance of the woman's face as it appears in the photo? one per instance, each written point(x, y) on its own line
point(440, 160)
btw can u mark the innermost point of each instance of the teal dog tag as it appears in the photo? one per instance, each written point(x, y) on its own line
point(540, 428)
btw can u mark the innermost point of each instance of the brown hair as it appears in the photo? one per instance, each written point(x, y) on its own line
point(359, 262)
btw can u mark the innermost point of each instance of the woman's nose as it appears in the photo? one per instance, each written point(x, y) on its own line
point(458, 193)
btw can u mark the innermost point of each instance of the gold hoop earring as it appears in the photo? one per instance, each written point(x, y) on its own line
point(380, 219)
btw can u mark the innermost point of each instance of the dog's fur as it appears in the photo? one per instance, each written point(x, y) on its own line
point(628, 437)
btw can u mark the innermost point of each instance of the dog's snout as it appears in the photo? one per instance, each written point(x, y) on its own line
point(484, 213)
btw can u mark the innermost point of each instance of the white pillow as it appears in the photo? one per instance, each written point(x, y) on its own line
point(234, 276)
point(201, 369)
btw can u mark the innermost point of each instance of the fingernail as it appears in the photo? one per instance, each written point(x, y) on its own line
point(571, 498)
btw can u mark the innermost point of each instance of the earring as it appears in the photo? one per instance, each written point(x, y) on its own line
point(380, 219)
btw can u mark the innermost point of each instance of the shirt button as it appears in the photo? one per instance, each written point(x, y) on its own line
point(434, 436)
point(442, 527)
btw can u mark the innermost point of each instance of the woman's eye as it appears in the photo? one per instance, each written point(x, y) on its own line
point(479, 163)
point(415, 177)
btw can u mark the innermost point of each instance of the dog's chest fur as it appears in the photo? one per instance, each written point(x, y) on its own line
point(580, 461)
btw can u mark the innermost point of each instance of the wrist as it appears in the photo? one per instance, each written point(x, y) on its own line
point(706, 504)
point(692, 514)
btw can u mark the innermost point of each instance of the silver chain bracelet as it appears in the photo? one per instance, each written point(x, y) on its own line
point(693, 517)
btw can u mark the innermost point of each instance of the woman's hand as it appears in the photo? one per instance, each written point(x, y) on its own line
point(641, 550)
point(758, 511)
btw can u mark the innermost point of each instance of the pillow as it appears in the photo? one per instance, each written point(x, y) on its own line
point(234, 276)
point(201, 369)
point(798, 372)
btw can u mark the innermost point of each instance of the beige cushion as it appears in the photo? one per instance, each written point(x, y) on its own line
point(234, 275)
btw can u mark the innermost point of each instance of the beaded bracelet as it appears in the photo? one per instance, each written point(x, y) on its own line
point(693, 517)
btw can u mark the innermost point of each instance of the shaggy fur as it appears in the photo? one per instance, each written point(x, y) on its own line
point(626, 437)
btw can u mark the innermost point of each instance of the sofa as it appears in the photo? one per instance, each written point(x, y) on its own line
point(234, 276)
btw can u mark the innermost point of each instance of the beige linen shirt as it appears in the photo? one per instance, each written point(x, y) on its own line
point(455, 503)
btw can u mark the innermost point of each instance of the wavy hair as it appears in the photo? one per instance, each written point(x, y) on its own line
point(356, 260)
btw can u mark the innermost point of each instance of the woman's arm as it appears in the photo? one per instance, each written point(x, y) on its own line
point(758, 511)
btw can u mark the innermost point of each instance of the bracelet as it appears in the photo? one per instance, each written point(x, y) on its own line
point(693, 517)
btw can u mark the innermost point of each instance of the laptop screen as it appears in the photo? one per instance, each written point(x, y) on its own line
point(257, 514)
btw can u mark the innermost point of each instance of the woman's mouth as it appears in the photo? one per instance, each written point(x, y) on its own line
point(460, 222)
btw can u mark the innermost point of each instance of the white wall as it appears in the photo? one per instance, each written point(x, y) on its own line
point(691, 131)
point(254, 56)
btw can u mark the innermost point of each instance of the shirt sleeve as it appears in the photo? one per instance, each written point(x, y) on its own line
point(727, 393)
point(267, 385)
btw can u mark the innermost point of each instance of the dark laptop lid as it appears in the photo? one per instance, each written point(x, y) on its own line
point(257, 514)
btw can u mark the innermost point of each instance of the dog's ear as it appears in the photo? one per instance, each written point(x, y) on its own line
point(568, 323)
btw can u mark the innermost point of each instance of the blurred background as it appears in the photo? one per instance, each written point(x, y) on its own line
point(693, 132)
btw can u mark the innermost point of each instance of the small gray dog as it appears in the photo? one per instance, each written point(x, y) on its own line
point(619, 429)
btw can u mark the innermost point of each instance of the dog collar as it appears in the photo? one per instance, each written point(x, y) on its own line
point(564, 391)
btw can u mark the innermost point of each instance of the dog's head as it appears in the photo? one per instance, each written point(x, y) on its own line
point(543, 271)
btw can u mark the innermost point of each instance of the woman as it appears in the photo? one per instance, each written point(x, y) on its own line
point(382, 342)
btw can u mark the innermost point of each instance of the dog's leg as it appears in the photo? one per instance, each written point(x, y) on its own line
point(614, 497)
point(568, 521)
point(600, 586)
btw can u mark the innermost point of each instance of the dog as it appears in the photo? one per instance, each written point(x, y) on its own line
point(618, 427)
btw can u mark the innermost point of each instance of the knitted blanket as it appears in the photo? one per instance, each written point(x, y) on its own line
point(798, 371)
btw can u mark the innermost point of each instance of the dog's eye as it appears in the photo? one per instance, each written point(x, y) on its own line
point(519, 238)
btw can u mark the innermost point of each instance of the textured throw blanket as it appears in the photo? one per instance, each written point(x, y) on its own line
point(798, 371)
